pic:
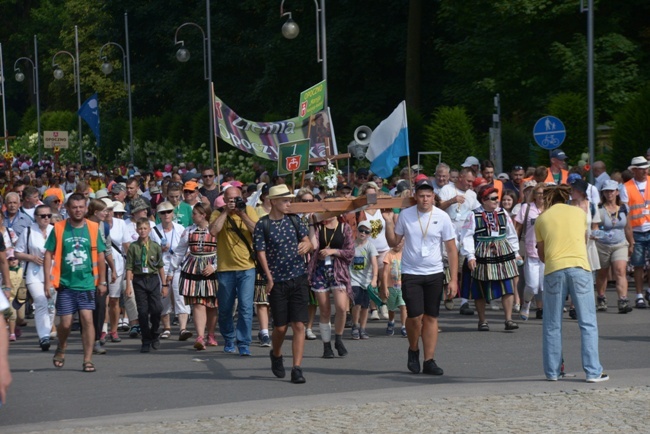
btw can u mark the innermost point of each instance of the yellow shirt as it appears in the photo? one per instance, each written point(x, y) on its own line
point(232, 253)
point(562, 228)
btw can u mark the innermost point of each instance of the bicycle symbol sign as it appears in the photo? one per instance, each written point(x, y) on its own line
point(549, 132)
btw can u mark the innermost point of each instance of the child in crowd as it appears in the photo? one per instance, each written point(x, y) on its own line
point(391, 288)
point(144, 272)
point(363, 272)
point(18, 296)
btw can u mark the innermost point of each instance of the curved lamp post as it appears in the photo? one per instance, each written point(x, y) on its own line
point(183, 55)
point(107, 68)
point(20, 77)
point(58, 74)
point(290, 30)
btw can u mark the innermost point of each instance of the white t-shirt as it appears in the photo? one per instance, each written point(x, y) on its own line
point(173, 238)
point(36, 247)
point(378, 229)
point(424, 235)
point(456, 211)
point(131, 233)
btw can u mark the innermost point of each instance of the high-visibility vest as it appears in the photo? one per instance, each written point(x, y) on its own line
point(93, 229)
point(637, 203)
point(498, 186)
point(563, 178)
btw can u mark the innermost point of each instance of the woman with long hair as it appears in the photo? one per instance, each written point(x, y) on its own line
point(196, 255)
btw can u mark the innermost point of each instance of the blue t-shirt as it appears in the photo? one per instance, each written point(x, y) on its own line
point(281, 247)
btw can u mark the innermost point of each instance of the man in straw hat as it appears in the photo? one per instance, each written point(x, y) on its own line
point(281, 240)
point(636, 194)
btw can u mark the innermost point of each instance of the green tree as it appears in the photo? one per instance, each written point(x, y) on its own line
point(571, 108)
point(449, 132)
point(632, 133)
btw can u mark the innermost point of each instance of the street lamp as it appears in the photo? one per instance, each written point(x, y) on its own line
point(4, 108)
point(290, 30)
point(20, 77)
point(183, 55)
point(58, 74)
point(107, 68)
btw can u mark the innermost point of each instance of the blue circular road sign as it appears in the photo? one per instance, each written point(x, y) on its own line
point(549, 132)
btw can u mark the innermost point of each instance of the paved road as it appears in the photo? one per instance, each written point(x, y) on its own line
point(178, 389)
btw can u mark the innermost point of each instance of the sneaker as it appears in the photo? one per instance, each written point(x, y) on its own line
point(348, 320)
point(45, 344)
point(18, 332)
point(601, 305)
point(184, 335)
point(145, 348)
point(516, 308)
point(123, 325)
point(165, 334)
point(340, 348)
point(599, 379)
point(229, 347)
point(524, 313)
point(199, 344)
point(244, 351)
point(494, 305)
point(624, 306)
point(355, 333)
point(390, 329)
point(572, 313)
point(539, 314)
point(156, 343)
point(383, 312)
point(363, 334)
point(374, 315)
point(413, 363)
point(309, 335)
point(113, 337)
point(328, 353)
point(134, 332)
point(404, 332)
point(97, 349)
point(212, 342)
point(296, 375)
point(12, 337)
point(640, 303)
point(449, 304)
point(466, 310)
point(431, 368)
point(102, 338)
point(277, 366)
point(265, 340)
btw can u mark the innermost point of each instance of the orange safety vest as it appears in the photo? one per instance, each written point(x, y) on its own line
point(93, 229)
point(637, 203)
point(563, 179)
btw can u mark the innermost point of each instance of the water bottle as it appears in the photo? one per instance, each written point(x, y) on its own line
point(51, 302)
point(163, 242)
point(598, 234)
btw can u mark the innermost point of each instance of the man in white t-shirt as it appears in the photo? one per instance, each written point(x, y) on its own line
point(458, 201)
point(425, 228)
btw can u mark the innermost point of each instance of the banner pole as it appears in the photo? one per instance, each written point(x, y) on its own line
point(293, 180)
point(214, 133)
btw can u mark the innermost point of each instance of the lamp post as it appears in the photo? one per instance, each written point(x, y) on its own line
point(290, 30)
point(591, 134)
point(4, 108)
point(58, 74)
point(20, 77)
point(183, 55)
point(107, 68)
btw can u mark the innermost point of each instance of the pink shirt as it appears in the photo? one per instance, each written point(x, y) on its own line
point(530, 240)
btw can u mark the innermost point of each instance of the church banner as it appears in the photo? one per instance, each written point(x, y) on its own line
point(263, 138)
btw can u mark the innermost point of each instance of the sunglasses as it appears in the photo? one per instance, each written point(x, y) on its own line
point(45, 216)
point(307, 200)
point(166, 212)
point(364, 231)
point(189, 191)
point(493, 198)
point(208, 176)
point(517, 168)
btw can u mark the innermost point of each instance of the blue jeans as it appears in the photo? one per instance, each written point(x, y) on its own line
point(240, 285)
point(578, 283)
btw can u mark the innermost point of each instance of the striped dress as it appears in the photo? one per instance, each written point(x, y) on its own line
point(489, 237)
point(196, 249)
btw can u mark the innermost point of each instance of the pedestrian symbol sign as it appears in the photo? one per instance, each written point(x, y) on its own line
point(549, 132)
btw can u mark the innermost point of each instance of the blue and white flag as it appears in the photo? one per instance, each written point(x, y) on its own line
point(89, 112)
point(388, 142)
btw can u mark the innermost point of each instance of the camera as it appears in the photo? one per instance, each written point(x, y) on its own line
point(240, 204)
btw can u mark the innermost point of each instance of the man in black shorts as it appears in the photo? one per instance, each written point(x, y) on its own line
point(424, 228)
point(281, 241)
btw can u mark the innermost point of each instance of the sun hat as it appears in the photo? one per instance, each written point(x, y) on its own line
point(280, 192)
point(164, 206)
point(609, 185)
point(109, 203)
point(118, 207)
point(639, 163)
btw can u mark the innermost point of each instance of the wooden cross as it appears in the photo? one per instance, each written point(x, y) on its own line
point(332, 207)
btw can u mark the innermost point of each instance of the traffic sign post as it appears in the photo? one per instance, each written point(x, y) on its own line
point(549, 132)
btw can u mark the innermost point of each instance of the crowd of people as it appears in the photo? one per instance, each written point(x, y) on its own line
point(123, 252)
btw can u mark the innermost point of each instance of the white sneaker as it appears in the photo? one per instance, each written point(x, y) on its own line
point(525, 311)
point(374, 315)
point(603, 377)
point(309, 335)
point(383, 312)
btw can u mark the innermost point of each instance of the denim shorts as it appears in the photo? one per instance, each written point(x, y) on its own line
point(641, 248)
point(70, 301)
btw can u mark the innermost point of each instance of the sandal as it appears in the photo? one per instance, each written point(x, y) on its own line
point(59, 360)
point(165, 334)
point(511, 325)
point(483, 327)
point(88, 367)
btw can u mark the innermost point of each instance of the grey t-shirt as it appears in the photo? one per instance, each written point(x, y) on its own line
point(361, 265)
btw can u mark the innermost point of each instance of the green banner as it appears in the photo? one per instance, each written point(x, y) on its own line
point(293, 157)
point(312, 100)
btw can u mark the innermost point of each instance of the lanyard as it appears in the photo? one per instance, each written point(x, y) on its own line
point(425, 230)
point(327, 243)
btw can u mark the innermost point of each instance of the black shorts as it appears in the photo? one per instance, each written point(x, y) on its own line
point(288, 301)
point(422, 294)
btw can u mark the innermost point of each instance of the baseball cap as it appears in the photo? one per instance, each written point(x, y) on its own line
point(365, 224)
point(342, 186)
point(470, 161)
point(559, 154)
point(191, 185)
point(425, 183)
point(363, 171)
point(609, 185)
point(420, 177)
point(117, 188)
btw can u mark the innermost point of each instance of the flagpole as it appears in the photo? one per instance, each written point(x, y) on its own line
point(214, 132)
point(408, 149)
